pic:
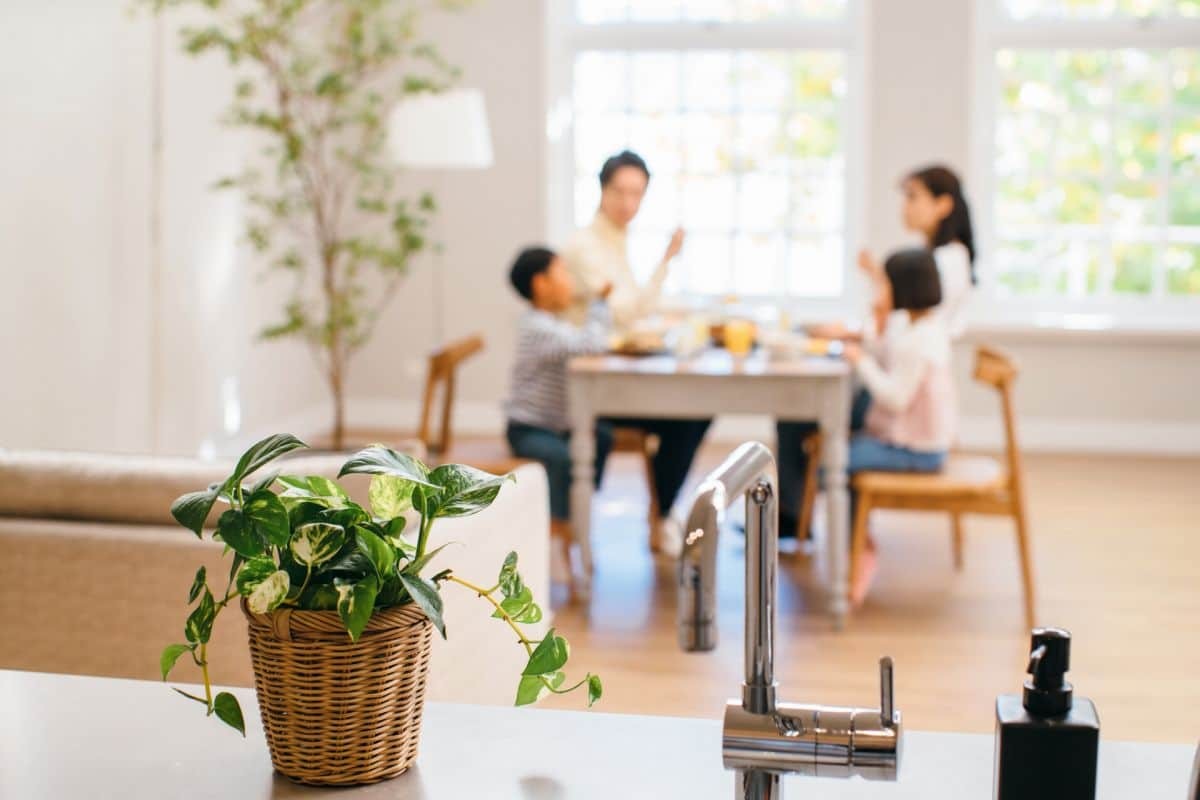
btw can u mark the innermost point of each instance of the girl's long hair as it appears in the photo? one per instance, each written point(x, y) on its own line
point(956, 227)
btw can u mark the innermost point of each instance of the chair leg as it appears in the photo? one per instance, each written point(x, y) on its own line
point(957, 526)
point(812, 449)
point(858, 536)
point(651, 489)
point(1027, 579)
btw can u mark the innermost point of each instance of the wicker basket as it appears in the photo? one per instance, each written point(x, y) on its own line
point(338, 712)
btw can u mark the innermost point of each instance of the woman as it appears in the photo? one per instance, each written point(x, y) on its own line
point(933, 207)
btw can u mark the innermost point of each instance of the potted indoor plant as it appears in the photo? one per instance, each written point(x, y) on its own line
point(340, 607)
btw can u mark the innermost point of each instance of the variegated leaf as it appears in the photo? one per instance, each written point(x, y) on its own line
point(268, 594)
point(390, 496)
point(317, 542)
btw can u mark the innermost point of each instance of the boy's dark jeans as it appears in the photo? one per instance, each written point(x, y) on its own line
point(678, 442)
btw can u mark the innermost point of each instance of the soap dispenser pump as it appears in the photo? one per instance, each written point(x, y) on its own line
point(1047, 740)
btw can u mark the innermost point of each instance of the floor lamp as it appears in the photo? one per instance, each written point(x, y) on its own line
point(443, 131)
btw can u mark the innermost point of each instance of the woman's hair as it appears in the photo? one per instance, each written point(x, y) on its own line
point(530, 262)
point(913, 275)
point(956, 227)
point(625, 158)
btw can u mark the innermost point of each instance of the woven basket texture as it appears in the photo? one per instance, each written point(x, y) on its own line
point(337, 712)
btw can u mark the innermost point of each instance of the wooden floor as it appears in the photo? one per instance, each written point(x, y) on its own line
point(1117, 551)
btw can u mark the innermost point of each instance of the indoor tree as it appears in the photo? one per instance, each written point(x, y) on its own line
point(316, 81)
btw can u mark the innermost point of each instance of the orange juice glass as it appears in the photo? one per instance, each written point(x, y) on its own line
point(739, 337)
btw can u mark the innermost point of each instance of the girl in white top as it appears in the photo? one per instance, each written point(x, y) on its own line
point(935, 208)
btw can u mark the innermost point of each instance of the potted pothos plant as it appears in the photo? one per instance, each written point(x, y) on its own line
point(340, 603)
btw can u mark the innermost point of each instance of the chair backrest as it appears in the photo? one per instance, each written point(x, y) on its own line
point(443, 366)
point(997, 369)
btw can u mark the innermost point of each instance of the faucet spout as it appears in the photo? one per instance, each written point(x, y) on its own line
point(697, 576)
point(763, 737)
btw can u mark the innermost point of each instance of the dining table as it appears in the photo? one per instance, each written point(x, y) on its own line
point(704, 385)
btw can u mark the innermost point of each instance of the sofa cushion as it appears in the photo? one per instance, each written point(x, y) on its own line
point(131, 488)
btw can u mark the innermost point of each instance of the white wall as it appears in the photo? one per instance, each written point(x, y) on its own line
point(77, 317)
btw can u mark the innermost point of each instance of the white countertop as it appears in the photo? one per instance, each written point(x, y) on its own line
point(79, 737)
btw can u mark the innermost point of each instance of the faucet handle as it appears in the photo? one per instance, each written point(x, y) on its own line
point(887, 708)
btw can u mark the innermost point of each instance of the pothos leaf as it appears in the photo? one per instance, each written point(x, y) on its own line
point(268, 517)
point(381, 556)
point(415, 567)
point(171, 654)
point(594, 689)
point(390, 496)
point(549, 656)
point(510, 580)
point(197, 584)
point(425, 594)
point(199, 623)
point(269, 593)
point(261, 453)
point(229, 711)
point(192, 509)
point(380, 460)
point(317, 542)
point(356, 603)
point(252, 573)
point(237, 532)
point(465, 490)
point(529, 690)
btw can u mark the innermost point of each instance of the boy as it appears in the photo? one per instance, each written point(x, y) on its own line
point(538, 427)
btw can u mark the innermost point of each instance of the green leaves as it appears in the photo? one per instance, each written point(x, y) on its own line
point(316, 543)
point(521, 608)
point(268, 517)
point(197, 584)
point(594, 689)
point(510, 581)
point(192, 509)
point(236, 531)
point(316, 488)
point(261, 453)
point(380, 460)
point(390, 496)
point(549, 656)
point(465, 490)
point(170, 655)
point(266, 596)
point(356, 601)
point(380, 554)
point(198, 627)
point(254, 572)
point(229, 711)
point(425, 595)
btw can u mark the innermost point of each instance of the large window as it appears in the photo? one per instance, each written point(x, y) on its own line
point(1092, 152)
point(742, 108)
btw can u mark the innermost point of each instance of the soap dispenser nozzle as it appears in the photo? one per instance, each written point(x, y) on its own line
point(1047, 693)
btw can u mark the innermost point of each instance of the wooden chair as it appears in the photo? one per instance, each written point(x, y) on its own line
point(443, 369)
point(967, 484)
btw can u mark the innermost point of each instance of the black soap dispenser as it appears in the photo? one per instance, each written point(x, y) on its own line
point(1047, 741)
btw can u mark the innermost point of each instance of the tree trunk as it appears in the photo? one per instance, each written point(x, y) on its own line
point(337, 389)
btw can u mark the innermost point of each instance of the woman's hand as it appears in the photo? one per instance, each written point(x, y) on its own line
point(852, 352)
point(869, 266)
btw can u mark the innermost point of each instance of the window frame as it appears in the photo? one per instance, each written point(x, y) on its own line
point(566, 37)
point(1157, 313)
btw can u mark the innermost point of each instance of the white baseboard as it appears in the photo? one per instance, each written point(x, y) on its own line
point(1036, 434)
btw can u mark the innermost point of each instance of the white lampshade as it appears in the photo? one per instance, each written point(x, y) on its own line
point(448, 130)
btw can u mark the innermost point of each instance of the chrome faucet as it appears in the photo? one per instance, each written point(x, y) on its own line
point(762, 737)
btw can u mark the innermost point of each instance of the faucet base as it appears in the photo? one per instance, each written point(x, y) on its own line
point(826, 741)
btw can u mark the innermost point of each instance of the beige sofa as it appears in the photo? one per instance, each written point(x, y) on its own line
point(94, 572)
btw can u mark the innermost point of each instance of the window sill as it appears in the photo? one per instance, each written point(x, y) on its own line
point(1089, 328)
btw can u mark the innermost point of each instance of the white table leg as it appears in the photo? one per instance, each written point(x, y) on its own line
point(583, 455)
point(835, 425)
